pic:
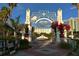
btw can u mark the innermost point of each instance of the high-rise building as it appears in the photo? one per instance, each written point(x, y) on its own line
point(59, 16)
point(77, 24)
point(72, 24)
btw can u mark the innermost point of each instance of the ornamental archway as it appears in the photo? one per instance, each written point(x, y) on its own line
point(41, 22)
point(43, 30)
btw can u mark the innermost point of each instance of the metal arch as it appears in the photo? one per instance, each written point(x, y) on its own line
point(42, 19)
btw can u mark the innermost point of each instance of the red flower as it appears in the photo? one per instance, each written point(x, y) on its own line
point(67, 27)
point(61, 26)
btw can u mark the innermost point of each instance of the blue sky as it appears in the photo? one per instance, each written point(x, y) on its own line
point(67, 8)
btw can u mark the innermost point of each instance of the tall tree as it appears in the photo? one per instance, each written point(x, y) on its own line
point(11, 6)
point(4, 13)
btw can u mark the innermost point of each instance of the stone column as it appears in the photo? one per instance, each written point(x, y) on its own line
point(28, 22)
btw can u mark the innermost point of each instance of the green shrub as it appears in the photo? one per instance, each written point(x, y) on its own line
point(24, 44)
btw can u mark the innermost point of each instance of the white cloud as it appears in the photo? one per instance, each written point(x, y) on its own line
point(74, 7)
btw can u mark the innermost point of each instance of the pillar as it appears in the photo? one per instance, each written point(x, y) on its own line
point(28, 22)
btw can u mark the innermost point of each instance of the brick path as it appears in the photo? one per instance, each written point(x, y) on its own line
point(49, 50)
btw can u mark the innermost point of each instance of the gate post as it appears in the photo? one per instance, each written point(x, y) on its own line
point(28, 22)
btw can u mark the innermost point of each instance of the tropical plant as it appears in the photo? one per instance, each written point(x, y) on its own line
point(5, 13)
point(16, 22)
point(60, 27)
point(11, 6)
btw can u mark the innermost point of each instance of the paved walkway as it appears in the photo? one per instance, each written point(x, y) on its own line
point(47, 50)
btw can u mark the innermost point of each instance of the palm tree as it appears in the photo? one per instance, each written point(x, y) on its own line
point(11, 6)
point(4, 13)
point(3, 17)
point(16, 24)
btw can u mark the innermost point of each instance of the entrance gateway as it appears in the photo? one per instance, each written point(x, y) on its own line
point(39, 24)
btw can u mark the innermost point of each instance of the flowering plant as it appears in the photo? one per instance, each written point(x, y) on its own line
point(60, 27)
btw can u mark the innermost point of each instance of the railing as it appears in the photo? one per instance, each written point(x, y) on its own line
point(8, 47)
point(74, 43)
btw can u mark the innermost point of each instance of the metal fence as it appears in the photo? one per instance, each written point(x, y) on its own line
point(8, 47)
point(74, 43)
